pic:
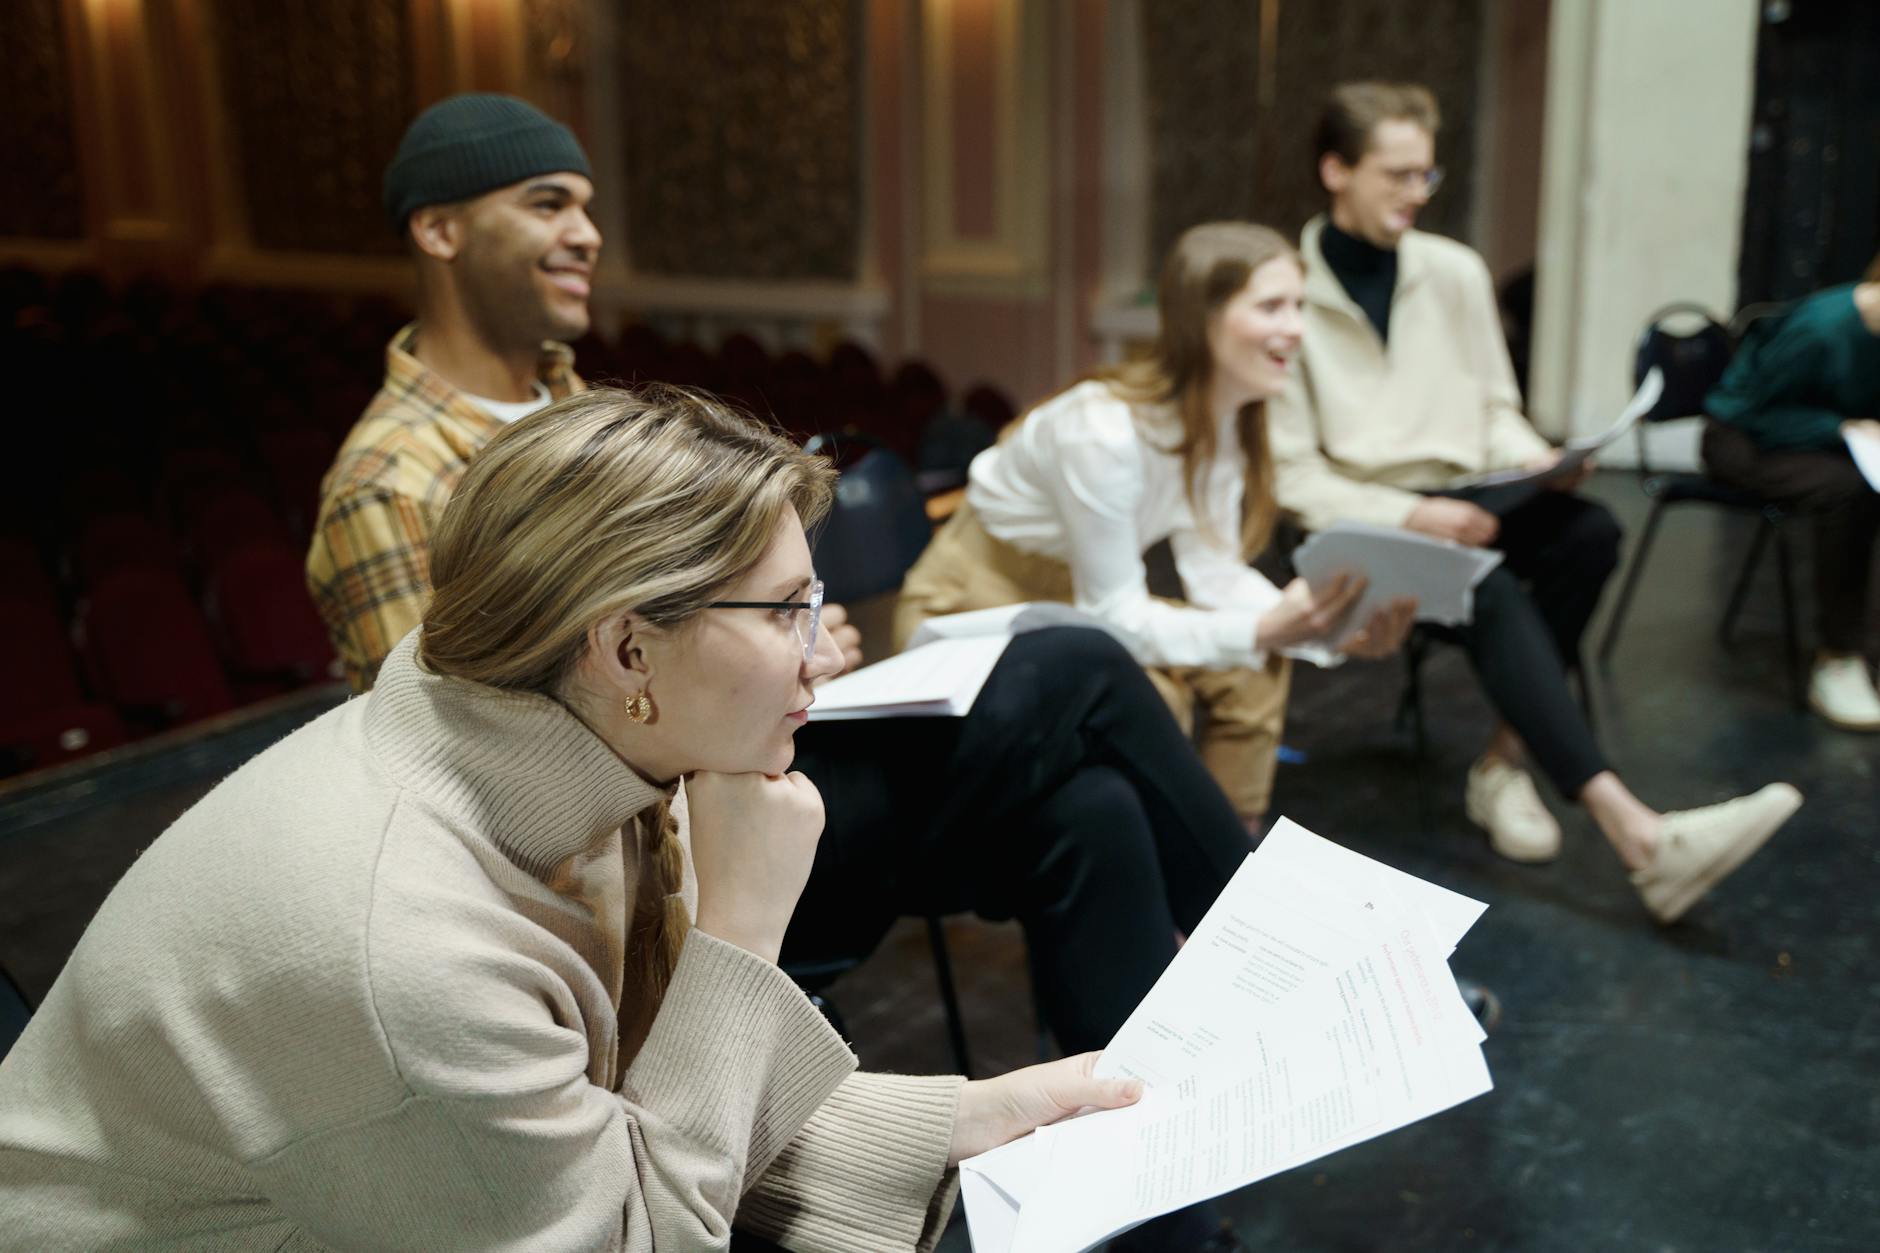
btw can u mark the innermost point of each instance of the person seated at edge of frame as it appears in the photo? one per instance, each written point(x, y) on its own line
point(1404, 386)
point(1067, 797)
point(1799, 384)
point(1172, 446)
point(488, 957)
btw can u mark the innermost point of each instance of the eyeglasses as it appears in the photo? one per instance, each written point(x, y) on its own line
point(1410, 180)
point(805, 615)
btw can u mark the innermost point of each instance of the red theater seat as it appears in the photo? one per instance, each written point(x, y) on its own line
point(147, 650)
point(35, 658)
point(270, 631)
point(228, 520)
point(114, 541)
point(21, 573)
point(298, 458)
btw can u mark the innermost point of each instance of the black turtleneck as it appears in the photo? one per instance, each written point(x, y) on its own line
point(1368, 273)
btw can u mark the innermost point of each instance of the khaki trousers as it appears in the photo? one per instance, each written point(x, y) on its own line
point(1234, 715)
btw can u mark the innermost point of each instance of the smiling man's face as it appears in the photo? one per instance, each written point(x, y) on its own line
point(527, 259)
point(1378, 199)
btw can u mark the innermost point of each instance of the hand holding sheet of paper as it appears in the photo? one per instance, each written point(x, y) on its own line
point(1439, 576)
point(1310, 1010)
point(1317, 612)
point(1576, 453)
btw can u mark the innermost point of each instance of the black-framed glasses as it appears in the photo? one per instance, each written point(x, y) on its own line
point(806, 615)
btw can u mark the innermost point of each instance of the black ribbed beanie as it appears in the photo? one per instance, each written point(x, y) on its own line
point(470, 144)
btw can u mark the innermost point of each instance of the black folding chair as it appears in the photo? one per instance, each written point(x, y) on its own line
point(876, 529)
point(1692, 362)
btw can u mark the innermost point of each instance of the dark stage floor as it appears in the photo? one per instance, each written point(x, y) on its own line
point(1714, 1086)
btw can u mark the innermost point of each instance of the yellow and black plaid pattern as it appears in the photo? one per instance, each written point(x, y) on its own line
point(369, 565)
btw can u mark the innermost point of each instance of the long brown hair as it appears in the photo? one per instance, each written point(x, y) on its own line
point(1207, 266)
point(650, 500)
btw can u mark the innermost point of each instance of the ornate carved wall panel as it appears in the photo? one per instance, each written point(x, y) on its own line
point(1435, 42)
point(742, 122)
point(317, 94)
point(1235, 89)
point(1200, 59)
point(40, 136)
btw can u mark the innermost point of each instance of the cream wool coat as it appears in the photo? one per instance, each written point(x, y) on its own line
point(366, 994)
point(1364, 426)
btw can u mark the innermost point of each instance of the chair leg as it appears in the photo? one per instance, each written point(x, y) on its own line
point(1740, 592)
point(1630, 584)
point(1798, 685)
point(949, 999)
point(1412, 705)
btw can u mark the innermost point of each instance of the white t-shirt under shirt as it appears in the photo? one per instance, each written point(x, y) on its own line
point(511, 410)
point(1089, 481)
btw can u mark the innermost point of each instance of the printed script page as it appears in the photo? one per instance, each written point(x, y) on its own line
point(1310, 1010)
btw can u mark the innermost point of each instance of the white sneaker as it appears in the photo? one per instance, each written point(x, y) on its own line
point(1698, 848)
point(1500, 798)
point(1841, 690)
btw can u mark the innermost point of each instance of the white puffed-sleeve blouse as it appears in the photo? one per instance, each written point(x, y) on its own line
point(1094, 482)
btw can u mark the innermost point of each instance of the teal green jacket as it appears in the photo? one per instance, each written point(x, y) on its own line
point(1796, 378)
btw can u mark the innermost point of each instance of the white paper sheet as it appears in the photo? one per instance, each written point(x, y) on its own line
point(1310, 1010)
point(939, 679)
point(1865, 445)
point(1002, 620)
point(1440, 573)
point(1574, 452)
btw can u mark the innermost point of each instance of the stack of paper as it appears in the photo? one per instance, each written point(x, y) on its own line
point(1006, 620)
point(1440, 573)
point(940, 679)
point(1312, 1009)
point(943, 667)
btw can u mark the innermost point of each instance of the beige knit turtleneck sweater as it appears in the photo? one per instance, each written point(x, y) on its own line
point(365, 994)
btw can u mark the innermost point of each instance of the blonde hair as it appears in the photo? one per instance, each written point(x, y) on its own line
point(1208, 265)
point(652, 501)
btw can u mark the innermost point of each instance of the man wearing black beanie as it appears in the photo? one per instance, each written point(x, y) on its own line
point(490, 195)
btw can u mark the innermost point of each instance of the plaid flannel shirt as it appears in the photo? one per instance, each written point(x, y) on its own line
point(369, 565)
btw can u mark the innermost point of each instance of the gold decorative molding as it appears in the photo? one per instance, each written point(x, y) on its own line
point(1013, 261)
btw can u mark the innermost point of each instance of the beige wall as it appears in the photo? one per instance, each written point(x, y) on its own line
point(999, 168)
point(1645, 164)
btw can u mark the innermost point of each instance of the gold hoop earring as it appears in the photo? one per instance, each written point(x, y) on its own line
point(640, 709)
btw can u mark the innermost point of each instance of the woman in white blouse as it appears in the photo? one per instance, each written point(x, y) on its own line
point(1171, 446)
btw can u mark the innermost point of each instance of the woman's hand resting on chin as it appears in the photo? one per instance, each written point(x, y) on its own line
point(753, 842)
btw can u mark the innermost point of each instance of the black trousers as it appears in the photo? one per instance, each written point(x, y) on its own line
point(1844, 513)
point(1068, 799)
point(1530, 613)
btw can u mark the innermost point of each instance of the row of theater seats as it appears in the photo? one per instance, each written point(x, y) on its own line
point(174, 442)
point(909, 410)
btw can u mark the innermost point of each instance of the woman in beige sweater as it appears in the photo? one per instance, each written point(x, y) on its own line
point(450, 968)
